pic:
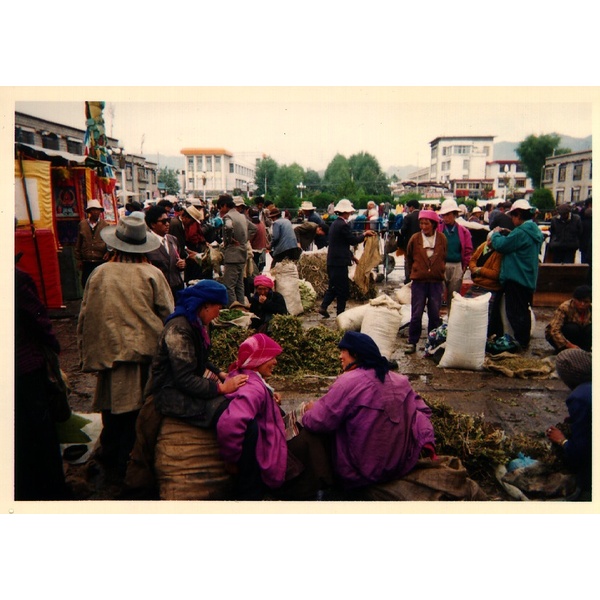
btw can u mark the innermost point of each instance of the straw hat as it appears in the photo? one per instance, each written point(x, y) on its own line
point(94, 204)
point(307, 205)
point(193, 212)
point(344, 206)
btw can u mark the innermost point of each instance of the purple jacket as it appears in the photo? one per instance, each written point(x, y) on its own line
point(255, 401)
point(379, 428)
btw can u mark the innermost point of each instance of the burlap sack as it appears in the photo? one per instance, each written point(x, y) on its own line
point(188, 464)
point(444, 478)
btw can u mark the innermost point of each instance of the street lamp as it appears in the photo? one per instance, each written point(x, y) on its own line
point(301, 187)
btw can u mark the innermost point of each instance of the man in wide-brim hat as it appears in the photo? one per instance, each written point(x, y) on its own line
point(90, 249)
point(339, 257)
point(122, 311)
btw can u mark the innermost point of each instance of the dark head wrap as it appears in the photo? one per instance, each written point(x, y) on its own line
point(582, 292)
point(191, 298)
point(367, 353)
point(574, 366)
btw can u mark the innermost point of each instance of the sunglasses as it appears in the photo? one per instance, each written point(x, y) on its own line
point(163, 221)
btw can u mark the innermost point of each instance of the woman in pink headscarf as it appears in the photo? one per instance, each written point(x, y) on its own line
point(252, 435)
point(265, 303)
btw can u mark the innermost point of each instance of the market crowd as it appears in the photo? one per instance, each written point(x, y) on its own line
point(176, 426)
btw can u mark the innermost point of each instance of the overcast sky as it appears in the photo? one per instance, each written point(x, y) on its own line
point(311, 125)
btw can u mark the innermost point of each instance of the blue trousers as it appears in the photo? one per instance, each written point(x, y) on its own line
point(424, 293)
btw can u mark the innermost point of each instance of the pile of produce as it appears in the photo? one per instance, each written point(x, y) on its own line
point(479, 445)
point(312, 350)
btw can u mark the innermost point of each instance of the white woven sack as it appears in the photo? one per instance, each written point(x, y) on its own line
point(287, 283)
point(351, 319)
point(403, 295)
point(467, 333)
point(382, 324)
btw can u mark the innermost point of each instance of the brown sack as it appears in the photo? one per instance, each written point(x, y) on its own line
point(444, 478)
point(188, 464)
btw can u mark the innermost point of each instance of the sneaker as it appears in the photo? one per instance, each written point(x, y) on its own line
point(324, 313)
point(410, 348)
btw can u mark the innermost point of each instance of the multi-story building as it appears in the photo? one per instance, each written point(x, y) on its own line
point(134, 174)
point(569, 176)
point(211, 171)
point(457, 159)
point(508, 179)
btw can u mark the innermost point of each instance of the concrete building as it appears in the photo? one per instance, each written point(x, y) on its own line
point(208, 172)
point(134, 174)
point(508, 179)
point(569, 176)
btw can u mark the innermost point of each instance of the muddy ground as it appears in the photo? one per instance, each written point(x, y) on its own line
point(517, 406)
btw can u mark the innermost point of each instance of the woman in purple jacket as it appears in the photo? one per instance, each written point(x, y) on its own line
point(252, 435)
point(378, 423)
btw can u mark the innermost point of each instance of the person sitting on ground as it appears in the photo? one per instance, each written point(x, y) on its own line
point(485, 265)
point(571, 324)
point(574, 367)
point(378, 424)
point(252, 434)
point(265, 303)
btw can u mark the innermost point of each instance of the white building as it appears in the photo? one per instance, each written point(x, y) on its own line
point(509, 180)
point(460, 157)
point(213, 171)
point(569, 176)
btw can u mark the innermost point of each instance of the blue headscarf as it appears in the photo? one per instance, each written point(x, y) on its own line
point(367, 353)
point(191, 298)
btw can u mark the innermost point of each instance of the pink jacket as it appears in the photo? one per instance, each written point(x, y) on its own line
point(254, 401)
point(466, 243)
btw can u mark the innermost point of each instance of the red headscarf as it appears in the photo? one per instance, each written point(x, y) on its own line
point(257, 350)
point(263, 280)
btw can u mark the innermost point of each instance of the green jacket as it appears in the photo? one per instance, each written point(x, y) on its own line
point(520, 250)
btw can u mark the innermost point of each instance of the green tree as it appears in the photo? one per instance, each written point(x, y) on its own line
point(367, 174)
point(266, 173)
point(534, 150)
point(287, 179)
point(338, 178)
point(170, 179)
point(542, 199)
point(312, 181)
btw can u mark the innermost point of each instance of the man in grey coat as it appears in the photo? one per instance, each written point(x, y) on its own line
point(235, 253)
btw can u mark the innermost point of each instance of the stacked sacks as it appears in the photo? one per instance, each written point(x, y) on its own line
point(380, 318)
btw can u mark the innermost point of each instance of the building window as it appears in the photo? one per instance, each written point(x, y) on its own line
point(466, 165)
point(191, 163)
point(434, 152)
point(50, 141)
point(129, 173)
point(575, 195)
point(560, 197)
point(562, 172)
point(208, 163)
point(218, 164)
point(74, 147)
point(24, 136)
point(231, 166)
point(577, 171)
point(486, 150)
point(520, 183)
point(549, 174)
point(462, 149)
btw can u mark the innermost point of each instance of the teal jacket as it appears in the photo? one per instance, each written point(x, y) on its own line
point(520, 250)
